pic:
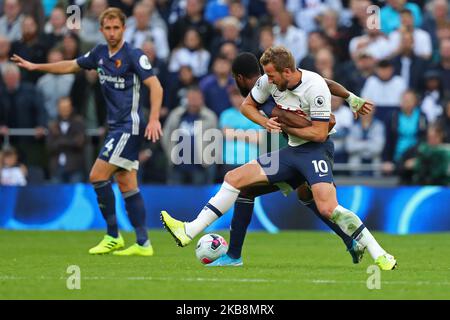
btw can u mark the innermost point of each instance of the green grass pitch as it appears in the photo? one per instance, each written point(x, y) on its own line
point(288, 265)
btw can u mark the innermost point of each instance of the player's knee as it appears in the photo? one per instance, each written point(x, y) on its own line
point(233, 178)
point(94, 177)
point(325, 209)
point(126, 185)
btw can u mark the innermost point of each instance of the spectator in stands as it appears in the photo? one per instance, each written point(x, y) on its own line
point(272, 8)
point(125, 5)
point(21, 106)
point(159, 68)
point(5, 47)
point(65, 145)
point(11, 21)
point(34, 8)
point(31, 46)
point(190, 121)
point(70, 46)
point(248, 26)
point(12, 172)
point(385, 90)
point(372, 41)
point(408, 127)
point(52, 87)
point(216, 85)
point(422, 46)
point(354, 74)
point(444, 67)
point(432, 101)
point(90, 26)
point(444, 122)
point(359, 14)
point(365, 141)
point(179, 87)
point(289, 36)
point(140, 28)
point(230, 32)
point(155, 17)
point(316, 41)
point(437, 15)
point(87, 99)
point(306, 12)
point(339, 37)
point(426, 163)
point(239, 147)
point(192, 53)
point(215, 10)
point(229, 50)
point(193, 18)
point(55, 28)
point(266, 40)
point(407, 64)
point(344, 122)
point(390, 14)
point(324, 64)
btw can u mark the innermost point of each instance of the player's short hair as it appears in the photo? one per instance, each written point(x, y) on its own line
point(246, 64)
point(280, 57)
point(112, 13)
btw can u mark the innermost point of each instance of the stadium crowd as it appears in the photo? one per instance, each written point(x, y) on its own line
point(402, 65)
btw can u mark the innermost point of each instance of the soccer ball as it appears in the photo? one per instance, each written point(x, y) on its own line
point(210, 247)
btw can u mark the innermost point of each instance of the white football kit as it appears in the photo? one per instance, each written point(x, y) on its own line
point(310, 97)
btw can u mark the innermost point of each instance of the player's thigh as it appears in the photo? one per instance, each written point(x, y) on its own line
point(101, 171)
point(324, 194)
point(126, 180)
point(246, 175)
point(278, 168)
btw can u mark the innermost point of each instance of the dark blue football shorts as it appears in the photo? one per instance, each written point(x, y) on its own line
point(311, 162)
point(122, 149)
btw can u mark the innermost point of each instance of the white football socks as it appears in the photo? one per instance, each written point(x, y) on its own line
point(349, 223)
point(217, 205)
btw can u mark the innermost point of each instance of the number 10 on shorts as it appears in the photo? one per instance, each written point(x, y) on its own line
point(320, 167)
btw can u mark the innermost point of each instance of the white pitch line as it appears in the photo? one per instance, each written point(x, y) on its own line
point(245, 280)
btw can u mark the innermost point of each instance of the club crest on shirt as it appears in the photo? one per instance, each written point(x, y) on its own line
point(118, 63)
point(319, 101)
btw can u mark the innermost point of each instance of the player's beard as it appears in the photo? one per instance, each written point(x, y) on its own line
point(283, 85)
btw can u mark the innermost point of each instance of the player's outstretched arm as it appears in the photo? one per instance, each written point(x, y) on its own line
point(62, 67)
point(153, 131)
point(357, 104)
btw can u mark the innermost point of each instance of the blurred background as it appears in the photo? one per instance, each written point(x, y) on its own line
point(396, 54)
